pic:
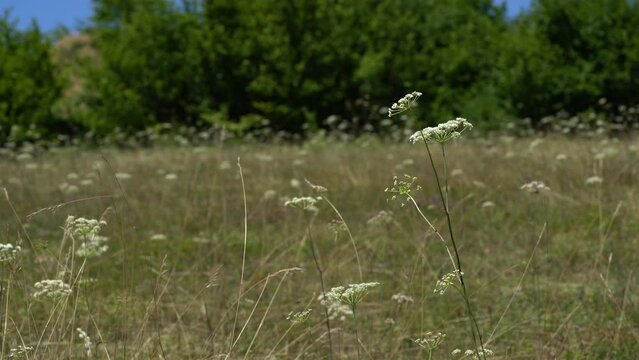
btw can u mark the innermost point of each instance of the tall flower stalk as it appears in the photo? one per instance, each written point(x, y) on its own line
point(307, 205)
point(441, 134)
point(351, 296)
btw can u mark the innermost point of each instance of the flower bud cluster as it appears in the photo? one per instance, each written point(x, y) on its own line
point(51, 289)
point(443, 132)
point(9, 252)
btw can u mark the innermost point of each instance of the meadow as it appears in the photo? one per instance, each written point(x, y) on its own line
point(204, 261)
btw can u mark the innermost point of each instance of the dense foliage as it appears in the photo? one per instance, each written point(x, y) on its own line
point(301, 65)
point(28, 84)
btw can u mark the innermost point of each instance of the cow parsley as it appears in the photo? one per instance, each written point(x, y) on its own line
point(442, 133)
point(404, 104)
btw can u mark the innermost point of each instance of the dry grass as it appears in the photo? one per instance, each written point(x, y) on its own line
point(176, 297)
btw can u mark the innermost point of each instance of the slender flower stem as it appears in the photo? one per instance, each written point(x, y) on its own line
point(239, 291)
point(350, 235)
point(473, 321)
point(321, 277)
point(445, 176)
point(433, 228)
point(356, 332)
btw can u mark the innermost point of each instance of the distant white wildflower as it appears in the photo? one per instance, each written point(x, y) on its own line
point(382, 218)
point(403, 188)
point(431, 341)
point(594, 180)
point(68, 189)
point(295, 183)
point(14, 181)
point(336, 310)
point(20, 351)
point(478, 354)
point(405, 163)
point(300, 317)
point(337, 226)
point(170, 177)
point(402, 299)
point(97, 165)
point(561, 157)
point(304, 203)
point(443, 132)
point(51, 289)
point(269, 194)
point(535, 187)
point(350, 295)
point(224, 165)
point(87, 342)
point(445, 282)
point(405, 103)
point(86, 182)
point(535, 144)
point(72, 176)
point(158, 237)
point(93, 246)
point(456, 172)
point(316, 188)
point(9, 252)
point(24, 157)
point(82, 227)
point(456, 352)
point(264, 157)
point(488, 204)
point(123, 176)
point(389, 321)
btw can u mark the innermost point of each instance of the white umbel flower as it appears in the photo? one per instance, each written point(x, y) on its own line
point(51, 289)
point(381, 219)
point(84, 227)
point(20, 351)
point(300, 317)
point(402, 298)
point(93, 247)
point(594, 180)
point(404, 104)
point(87, 342)
point(350, 295)
point(443, 132)
point(431, 341)
point(535, 187)
point(304, 203)
point(9, 252)
point(445, 282)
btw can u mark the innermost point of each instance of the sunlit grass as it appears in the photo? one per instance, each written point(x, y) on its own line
point(168, 283)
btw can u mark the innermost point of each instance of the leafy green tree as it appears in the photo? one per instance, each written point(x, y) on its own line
point(446, 50)
point(28, 83)
point(565, 55)
point(150, 65)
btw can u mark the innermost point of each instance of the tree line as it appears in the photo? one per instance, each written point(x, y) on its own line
point(293, 65)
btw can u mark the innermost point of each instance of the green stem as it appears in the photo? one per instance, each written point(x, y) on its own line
point(350, 236)
point(356, 332)
point(445, 176)
point(321, 277)
point(473, 321)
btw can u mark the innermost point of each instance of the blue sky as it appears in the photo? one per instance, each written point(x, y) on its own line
point(51, 13)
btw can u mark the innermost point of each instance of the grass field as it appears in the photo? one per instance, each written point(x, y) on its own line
point(549, 275)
